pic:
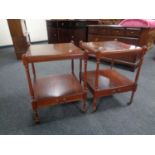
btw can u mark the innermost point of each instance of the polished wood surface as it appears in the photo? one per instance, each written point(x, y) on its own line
point(20, 36)
point(132, 35)
point(105, 82)
point(107, 47)
point(55, 89)
point(108, 79)
point(56, 86)
point(48, 52)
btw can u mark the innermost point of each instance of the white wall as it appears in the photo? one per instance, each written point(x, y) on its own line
point(37, 29)
point(5, 37)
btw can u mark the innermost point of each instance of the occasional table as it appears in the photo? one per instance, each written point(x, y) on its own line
point(54, 89)
point(108, 81)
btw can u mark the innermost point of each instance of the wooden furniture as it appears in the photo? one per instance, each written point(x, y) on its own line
point(105, 82)
point(54, 89)
point(132, 35)
point(110, 21)
point(63, 31)
point(20, 36)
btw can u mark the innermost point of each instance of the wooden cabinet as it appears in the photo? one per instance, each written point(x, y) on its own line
point(20, 36)
point(63, 31)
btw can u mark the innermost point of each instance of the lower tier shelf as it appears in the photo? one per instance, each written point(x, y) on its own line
point(109, 79)
point(56, 86)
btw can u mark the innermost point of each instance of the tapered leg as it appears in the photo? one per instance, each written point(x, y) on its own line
point(131, 99)
point(94, 104)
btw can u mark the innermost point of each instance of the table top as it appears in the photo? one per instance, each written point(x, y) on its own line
point(48, 52)
point(108, 47)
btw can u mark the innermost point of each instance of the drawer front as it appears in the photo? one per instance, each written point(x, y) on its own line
point(133, 41)
point(98, 30)
point(133, 32)
point(52, 35)
point(78, 35)
point(71, 24)
point(92, 37)
point(117, 32)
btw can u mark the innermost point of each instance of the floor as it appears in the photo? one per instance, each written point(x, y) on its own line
point(113, 116)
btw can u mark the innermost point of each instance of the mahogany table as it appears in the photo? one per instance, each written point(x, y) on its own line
point(105, 82)
point(54, 89)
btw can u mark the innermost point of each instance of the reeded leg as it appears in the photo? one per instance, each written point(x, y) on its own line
point(131, 99)
point(94, 104)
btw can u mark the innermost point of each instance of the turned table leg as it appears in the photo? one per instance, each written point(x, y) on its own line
point(94, 104)
point(131, 99)
point(35, 111)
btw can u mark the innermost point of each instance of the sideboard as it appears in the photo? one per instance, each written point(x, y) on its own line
point(63, 31)
point(139, 36)
point(132, 35)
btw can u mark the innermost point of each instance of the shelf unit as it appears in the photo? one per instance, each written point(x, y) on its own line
point(54, 89)
point(105, 82)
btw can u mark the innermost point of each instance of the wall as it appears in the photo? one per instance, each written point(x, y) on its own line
point(5, 37)
point(36, 28)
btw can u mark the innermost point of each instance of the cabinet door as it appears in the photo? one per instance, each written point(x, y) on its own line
point(52, 35)
point(78, 35)
point(64, 35)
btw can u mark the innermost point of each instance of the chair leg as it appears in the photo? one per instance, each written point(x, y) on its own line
point(94, 104)
point(36, 117)
point(131, 99)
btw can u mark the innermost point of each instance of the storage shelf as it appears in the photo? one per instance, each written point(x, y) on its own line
point(108, 79)
point(54, 86)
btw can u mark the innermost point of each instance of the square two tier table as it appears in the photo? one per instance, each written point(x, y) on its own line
point(54, 89)
point(108, 81)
